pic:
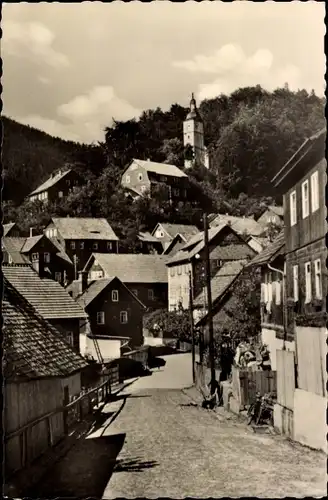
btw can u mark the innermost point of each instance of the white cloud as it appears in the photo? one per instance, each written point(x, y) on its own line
point(52, 127)
point(32, 40)
point(234, 69)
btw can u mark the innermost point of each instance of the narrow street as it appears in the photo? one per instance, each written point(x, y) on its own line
point(159, 445)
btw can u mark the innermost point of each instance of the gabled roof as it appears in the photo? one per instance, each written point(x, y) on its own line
point(147, 237)
point(14, 248)
point(53, 179)
point(31, 242)
point(32, 347)
point(271, 252)
point(185, 230)
point(241, 225)
point(97, 286)
point(61, 251)
point(84, 228)
point(48, 297)
point(8, 227)
point(158, 168)
point(132, 268)
point(278, 210)
point(175, 245)
point(222, 280)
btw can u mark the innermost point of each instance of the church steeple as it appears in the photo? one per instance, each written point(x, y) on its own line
point(193, 135)
point(193, 112)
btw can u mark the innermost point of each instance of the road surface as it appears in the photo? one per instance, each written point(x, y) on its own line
point(159, 445)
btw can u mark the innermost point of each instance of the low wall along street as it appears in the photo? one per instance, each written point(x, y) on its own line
point(310, 426)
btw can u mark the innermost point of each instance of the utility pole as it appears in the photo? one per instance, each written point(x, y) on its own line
point(209, 304)
point(191, 310)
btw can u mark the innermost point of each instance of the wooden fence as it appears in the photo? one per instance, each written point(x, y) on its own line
point(245, 384)
point(285, 379)
point(311, 359)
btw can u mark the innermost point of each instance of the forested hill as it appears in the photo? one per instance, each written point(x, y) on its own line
point(250, 135)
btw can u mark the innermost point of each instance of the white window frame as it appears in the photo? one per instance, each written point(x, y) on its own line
point(124, 317)
point(151, 295)
point(270, 291)
point(100, 317)
point(295, 283)
point(60, 194)
point(305, 199)
point(10, 259)
point(73, 245)
point(293, 208)
point(109, 245)
point(172, 271)
point(81, 245)
point(35, 256)
point(179, 270)
point(308, 282)
point(315, 203)
point(265, 288)
point(127, 179)
point(46, 257)
point(115, 296)
point(278, 291)
point(70, 338)
point(58, 276)
point(318, 278)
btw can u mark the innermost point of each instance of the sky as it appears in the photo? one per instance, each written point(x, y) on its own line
point(69, 69)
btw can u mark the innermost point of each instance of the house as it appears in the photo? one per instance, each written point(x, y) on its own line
point(41, 253)
point(49, 299)
point(245, 226)
point(41, 373)
point(11, 230)
point(79, 237)
point(302, 180)
point(148, 177)
point(114, 311)
point(274, 331)
point(149, 244)
point(258, 243)
point(187, 265)
point(144, 275)
point(272, 215)
point(166, 232)
point(58, 186)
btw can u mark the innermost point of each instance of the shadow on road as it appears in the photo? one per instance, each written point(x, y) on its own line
point(136, 465)
point(84, 472)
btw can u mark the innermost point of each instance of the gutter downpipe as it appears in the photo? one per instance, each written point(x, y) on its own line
point(282, 273)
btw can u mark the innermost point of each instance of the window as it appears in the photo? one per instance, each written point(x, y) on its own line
point(10, 260)
point(150, 294)
point(81, 245)
point(318, 279)
point(35, 256)
point(143, 189)
point(308, 287)
point(270, 289)
point(70, 338)
point(127, 179)
point(114, 295)
point(135, 292)
point(295, 283)
point(100, 318)
point(96, 275)
point(58, 276)
point(47, 257)
point(109, 245)
point(176, 192)
point(264, 292)
point(186, 269)
point(172, 271)
point(95, 246)
point(293, 215)
point(179, 270)
point(278, 291)
point(140, 177)
point(305, 199)
point(60, 194)
point(314, 191)
point(73, 245)
point(123, 317)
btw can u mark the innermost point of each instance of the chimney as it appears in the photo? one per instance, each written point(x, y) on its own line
point(31, 232)
point(83, 281)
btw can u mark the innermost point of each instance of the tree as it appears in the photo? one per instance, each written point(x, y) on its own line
point(171, 324)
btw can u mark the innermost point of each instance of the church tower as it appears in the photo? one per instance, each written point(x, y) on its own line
point(193, 136)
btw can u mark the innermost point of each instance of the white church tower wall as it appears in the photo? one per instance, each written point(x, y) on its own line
point(193, 135)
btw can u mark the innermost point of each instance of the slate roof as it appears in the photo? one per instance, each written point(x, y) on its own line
point(50, 182)
point(222, 280)
point(14, 247)
point(47, 296)
point(61, 251)
point(96, 287)
point(272, 251)
point(240, 224)
point(31, 242)
point(81, 228)
point(8, 227)
point(185, 230)
point(159, 168)
point(232, 252)
point(32, 347)
point(133, 268)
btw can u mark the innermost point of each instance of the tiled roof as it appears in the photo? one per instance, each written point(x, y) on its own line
point(14, 247)
point(232, 251)
point(8, 227)
point(160, 168)
point(48, 297)
point(267, 255)
point(61, 251)
point(32, 347)
point(75, 228)
point(240, 224)
point(277, 210)
point(195, 245)
point(134, 268)
point(96, 287)
point(148, 238)
point(31, 242)
point(50, 182)
point(222, 280)
point(186, 231)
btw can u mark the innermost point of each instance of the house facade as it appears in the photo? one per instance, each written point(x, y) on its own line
point(79, 237)
point(144, 275)
point(188, 265)
point(272, 215)
point(166, 233)
point(57, 187)
point(114, 310)
point(11, 230)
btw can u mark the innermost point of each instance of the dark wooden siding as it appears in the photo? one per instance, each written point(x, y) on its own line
point(67, 326)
